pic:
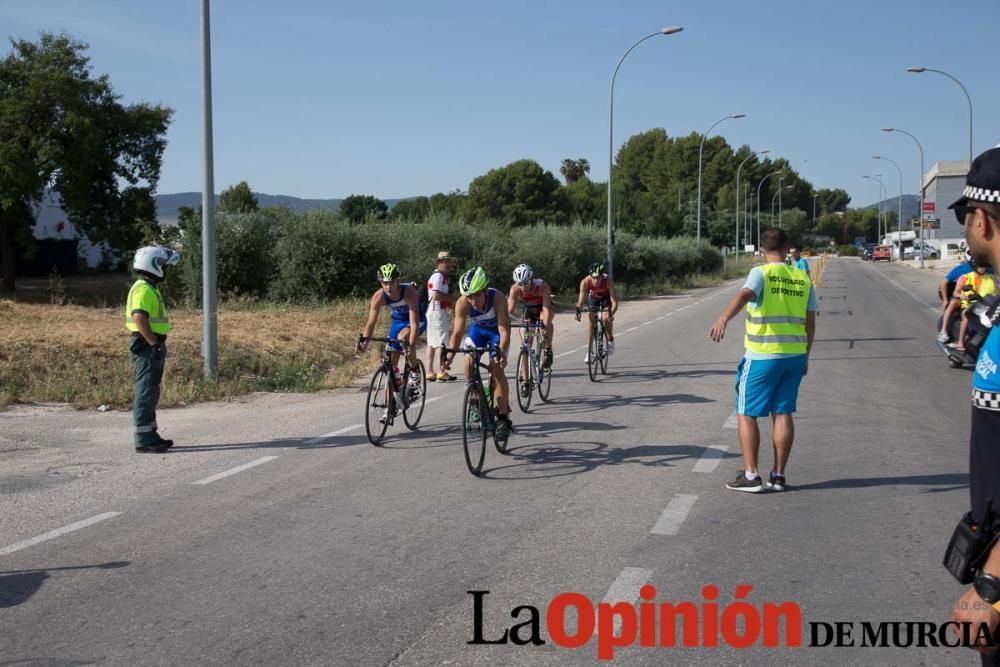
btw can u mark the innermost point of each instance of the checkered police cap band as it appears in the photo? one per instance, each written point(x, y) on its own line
point(981, 194)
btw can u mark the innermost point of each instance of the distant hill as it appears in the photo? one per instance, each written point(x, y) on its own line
point(168, 205)
point(911, 206)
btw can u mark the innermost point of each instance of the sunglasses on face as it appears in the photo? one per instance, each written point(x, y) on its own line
point(962, 211)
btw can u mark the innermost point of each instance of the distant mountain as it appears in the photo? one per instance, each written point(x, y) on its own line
point(911, 206)
point(168, 205)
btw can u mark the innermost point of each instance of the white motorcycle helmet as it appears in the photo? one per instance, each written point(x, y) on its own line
point(523, 273)
point(152, 259)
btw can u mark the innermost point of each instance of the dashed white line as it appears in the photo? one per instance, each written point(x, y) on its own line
point(631, 329)
point(567, 353)
point(731, 421)
point(673, 516)
point(709, 461)
point(346, 429)
point(646, 322)
point(625, 589)
point(52, 534)
point(226, 473)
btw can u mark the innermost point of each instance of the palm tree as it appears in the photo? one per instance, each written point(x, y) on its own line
point(574, 170)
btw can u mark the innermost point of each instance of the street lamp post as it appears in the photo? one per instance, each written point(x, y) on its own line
point(815, 194)
point(611, 126)
point(881, 190)
point(920, 214)
point(921, 70)
point(773, 173)
point(899, 213)
point(763, 152)
point(701, 150)
point(209, 346)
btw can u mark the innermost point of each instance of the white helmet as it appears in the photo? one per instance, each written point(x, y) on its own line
point(153, 258)
point(523, 273)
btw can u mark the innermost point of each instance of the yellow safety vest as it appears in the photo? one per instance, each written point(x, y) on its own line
point(778, 326)
point(976, 284)
point(146, 297)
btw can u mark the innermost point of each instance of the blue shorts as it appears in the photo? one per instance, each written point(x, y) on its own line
point(481, 337)
point(768, 386)
point(397, 327)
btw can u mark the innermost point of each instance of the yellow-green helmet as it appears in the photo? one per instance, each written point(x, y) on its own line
point(388, 272)
point(472, 281)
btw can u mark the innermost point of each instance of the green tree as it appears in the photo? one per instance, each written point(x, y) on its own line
point(587, 200)
point(411, 210)
point(62, 128)
point(359, 208)
point(831, 201)
point(520, 193)
point(238, 199)
point(574, 170)
point(450, 205)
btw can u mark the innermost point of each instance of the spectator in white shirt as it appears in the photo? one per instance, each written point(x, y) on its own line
point(438, 326)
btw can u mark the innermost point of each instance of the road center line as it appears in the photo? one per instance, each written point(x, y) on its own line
point(320, 438)
point(567, 353)
point(233, 471)
point(631, 329)
point(709, 461)
point(673, 516)
point(52, 534)
point(626, 589)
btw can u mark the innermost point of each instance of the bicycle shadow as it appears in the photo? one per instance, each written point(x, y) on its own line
point(19, 586)
point(618, 376)
point(596, 402)
point(531, 461)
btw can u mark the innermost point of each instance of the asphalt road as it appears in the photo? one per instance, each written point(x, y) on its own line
point(323, 550)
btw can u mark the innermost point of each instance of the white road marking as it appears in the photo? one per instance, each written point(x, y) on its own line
point(709, 461)
point(646, 322)
point(237, 469)
point(626, 589)
point(346, 429)
point(673, 516)
point(661, 317)
point(631, 329)
point(431, 400)
point(52, 534)
point(564, 354)
point(731, 421)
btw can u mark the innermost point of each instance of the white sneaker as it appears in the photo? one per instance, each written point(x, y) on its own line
point(943, 337)
point(611, 347)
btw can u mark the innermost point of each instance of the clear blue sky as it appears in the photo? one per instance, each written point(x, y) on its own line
point(399, 98)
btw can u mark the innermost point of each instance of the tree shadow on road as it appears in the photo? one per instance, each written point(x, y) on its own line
point(951, 481)
point(530, 461)
point(18, 586)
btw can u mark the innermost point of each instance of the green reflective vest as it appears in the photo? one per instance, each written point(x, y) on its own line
point(778, 326)
point(145, 297)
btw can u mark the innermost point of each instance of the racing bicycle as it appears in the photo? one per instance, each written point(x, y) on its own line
point(388, 392)
point(531, 372)
point(478, 418)
point(597, 346)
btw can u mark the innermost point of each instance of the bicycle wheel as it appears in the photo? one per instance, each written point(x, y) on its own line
point(543, 376)
point(604, 351)
point(523, 387)
point(593, 359)
point(473, 433)
point(378, 407)
point(414, 397)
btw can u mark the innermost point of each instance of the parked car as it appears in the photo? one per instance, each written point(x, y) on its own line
point(929, 251)
point(882, 252)
point(866, 251)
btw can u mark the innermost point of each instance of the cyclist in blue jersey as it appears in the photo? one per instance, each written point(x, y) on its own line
point(408, 321)
point(487, 308)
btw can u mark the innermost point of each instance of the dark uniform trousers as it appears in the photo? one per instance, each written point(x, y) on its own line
point(148, 376)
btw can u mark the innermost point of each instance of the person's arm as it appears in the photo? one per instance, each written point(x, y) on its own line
point(972, 609)
point(546, 300)
point(141, 320)
point(411, 301)
point(614, 297)
point(373, 307)
point(512, 298)
point(503, 323)
point(579, 299)
point(457, 329)
point(738, 303)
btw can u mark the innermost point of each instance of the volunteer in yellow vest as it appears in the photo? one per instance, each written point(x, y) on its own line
point(147, 320)
point(781, 322)
point(969, 288)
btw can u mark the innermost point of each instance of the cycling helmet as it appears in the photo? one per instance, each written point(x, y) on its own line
point(472, 281)
point(153, 259)
point(523, 273)
point(388, 272)
point(596, 269)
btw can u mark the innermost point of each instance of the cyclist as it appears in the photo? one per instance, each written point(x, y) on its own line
point(408, 321)
point(970, 287)
point(599, 289)
point(487, 309)
point(537, 297)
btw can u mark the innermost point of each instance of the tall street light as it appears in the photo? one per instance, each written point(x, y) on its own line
point(776, 198)
point(881, 190)
point(921, 70)
point(611, 128)
point(701, 151)
point(920, 214)
point(209, 345)
point(763, 152)
point(773, 173)
point(899, 213)
point(815, 194)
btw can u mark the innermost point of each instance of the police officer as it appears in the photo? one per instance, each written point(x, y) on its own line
point(979, 211)
point(147, 320)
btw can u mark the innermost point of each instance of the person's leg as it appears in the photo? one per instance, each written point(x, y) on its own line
point(749, 434)
point(784, 434)
point(431, 355)
point(158, 365)
point(500, 388)
point(143, 407)
point(963, 327)
point(783, 406)
point(549, 329)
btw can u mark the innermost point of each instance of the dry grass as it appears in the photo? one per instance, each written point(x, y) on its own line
point(80, 356)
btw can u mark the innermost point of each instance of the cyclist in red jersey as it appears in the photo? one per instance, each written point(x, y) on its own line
point(599, 289)
point(537, 297)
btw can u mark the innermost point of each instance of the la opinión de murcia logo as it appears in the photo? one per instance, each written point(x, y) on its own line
point(572, 621)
